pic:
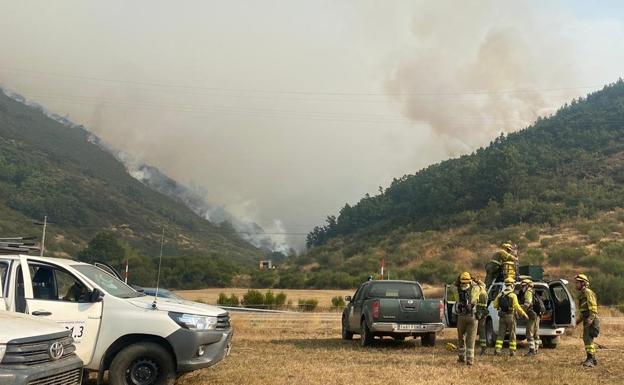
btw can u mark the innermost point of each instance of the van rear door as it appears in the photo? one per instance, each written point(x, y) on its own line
point(450, 297)
point(564, 308)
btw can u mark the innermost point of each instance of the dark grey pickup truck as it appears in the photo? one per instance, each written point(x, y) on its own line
point(392, 308)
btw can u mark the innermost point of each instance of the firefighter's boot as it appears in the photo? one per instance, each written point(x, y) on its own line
point(483, 351)
point(589, 361)
point(531, 352)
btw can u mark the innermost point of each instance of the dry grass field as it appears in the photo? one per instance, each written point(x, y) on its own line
point(307, 349)
point(323, 296)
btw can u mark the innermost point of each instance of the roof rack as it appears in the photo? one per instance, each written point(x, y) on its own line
point(18, 245)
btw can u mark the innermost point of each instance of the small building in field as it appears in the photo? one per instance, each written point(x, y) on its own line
point(267, 264)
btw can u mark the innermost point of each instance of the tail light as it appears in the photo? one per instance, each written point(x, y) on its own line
point(375, 309)
point(441, 311)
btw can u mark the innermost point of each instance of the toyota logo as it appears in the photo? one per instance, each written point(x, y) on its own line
point(56, 350)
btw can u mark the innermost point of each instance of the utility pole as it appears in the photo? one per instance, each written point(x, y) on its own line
point(45, 223)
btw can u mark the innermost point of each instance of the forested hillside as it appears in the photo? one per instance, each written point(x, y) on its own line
point(555, 188)
point(563, 166)
point(49, 168)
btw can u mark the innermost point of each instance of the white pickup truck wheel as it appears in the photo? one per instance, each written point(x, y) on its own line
point(142, 363)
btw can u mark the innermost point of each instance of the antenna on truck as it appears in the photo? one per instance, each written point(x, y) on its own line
point(162, 241)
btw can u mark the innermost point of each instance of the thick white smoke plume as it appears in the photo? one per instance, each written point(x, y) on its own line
point(479, 71)
point(239, 219)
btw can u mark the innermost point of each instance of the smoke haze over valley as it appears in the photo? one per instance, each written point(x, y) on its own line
point(277, 113)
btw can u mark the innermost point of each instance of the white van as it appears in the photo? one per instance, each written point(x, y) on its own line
point(117, 329)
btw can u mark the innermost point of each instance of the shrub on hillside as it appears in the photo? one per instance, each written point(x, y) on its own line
point(292, 280)
point(435, 271)
point(595, 235)
point(547, 242)
point(609, 288)
point(264, 279)
point(532, 235)
point(571, 255)
point(533, 257)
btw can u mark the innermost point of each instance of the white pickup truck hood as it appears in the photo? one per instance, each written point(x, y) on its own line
point(176, 305)
point(16, 325)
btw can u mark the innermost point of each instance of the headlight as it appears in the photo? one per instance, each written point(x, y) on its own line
point(194, 322)
point(2, 350)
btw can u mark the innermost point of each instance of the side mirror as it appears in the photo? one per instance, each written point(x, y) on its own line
point(348, 298)
point(137, 288)
point(95, 295)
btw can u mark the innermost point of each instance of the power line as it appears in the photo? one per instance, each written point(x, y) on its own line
point(292, 92)
point(264, 113)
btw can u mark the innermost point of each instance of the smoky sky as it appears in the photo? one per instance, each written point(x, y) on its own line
point(283, 111)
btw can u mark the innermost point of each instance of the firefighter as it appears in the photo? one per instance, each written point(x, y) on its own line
point(588, 306)
point(507, 305)
point(508, 259)
point(502, 265)
point(481, 314)
point(526, 300)
point(465, 308)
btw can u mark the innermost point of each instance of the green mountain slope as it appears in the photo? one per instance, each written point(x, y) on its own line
point(555, 188)
point(563, 166)
point(49, 168)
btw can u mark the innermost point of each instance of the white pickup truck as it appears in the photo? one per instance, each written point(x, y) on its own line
point(36, 352)
point(560, 311)
point(116, 328)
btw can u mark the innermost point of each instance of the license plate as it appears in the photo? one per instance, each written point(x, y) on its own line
point(411, 327)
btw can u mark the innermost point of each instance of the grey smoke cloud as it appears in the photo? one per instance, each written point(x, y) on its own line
point(283, 111)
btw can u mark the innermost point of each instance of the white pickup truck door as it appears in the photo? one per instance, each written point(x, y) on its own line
point(54, 293)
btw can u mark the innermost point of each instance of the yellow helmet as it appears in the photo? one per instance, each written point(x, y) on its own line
point(507, 246)
point(582, 278)
point(527, 281)
point(465, 277)
point(509, 281)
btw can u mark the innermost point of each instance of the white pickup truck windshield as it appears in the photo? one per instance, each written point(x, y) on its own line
point(110, 284)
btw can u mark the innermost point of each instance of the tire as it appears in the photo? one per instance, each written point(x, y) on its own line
point(428, 339)
point(367, 336)
point(142, 363)
point(346, 333)
point(490, 338)
point(550, 342)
